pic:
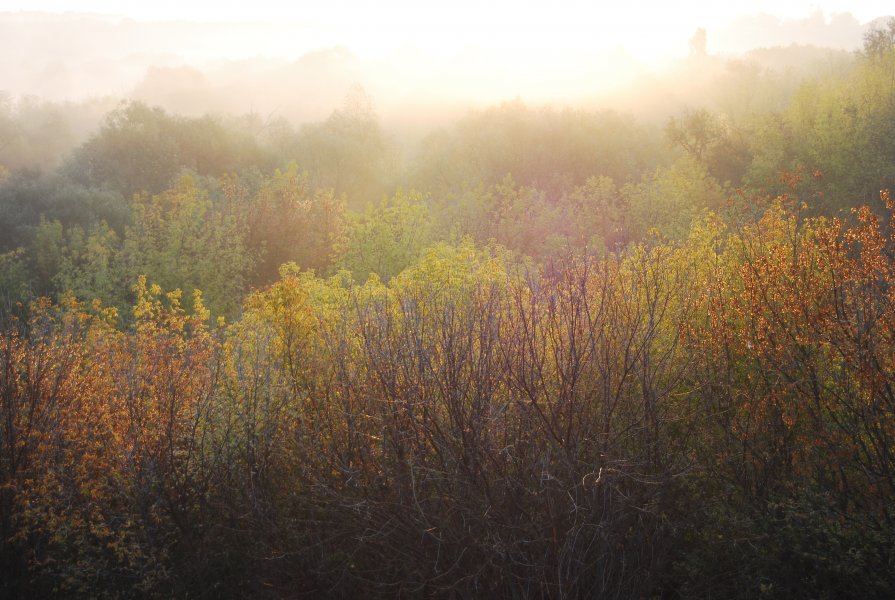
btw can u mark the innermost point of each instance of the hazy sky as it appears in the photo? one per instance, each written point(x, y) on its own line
point(457, 11)
point(459, 48)
point(645, 28)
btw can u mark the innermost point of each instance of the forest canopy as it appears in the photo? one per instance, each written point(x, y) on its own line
point(539, 351)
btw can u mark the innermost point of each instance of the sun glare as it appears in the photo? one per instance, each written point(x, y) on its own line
point(497, 49)
point(647, 30)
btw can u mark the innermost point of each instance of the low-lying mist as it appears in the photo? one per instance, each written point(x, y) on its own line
point(294, 70)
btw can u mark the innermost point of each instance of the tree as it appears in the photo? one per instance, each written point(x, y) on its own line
point(349, 152)
point(698, 43)
point(671, 199)
point(600, 214)
point(143, 149)
point(879, 40)
point(287, 221)
point(387, 237)
point(180, 241)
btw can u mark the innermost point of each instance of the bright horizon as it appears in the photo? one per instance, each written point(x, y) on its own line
point(338, 10)
point(406, 54)
point(647, 30)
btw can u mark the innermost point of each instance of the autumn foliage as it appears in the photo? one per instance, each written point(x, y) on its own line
point(714, 417)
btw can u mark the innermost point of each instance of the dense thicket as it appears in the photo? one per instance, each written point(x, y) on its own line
point(708, 418)
point(566, 361)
